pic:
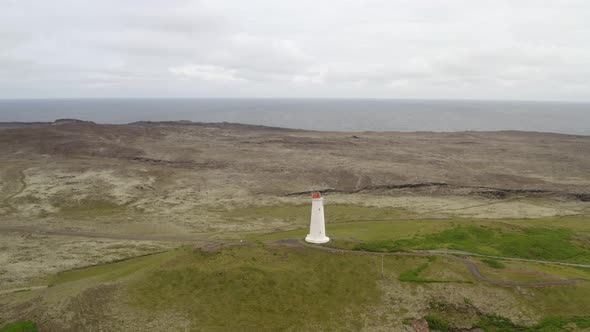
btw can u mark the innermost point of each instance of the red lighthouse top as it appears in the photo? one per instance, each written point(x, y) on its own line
point(316, 195)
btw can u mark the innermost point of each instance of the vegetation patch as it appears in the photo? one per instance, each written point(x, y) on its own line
point(112, 271)
point(495, 323)
point(449, 316)
point(532, 243)
point(390, 227)
point(300, 214)
point(493, 263)
point(20, 327)
point(437, 323)
point(269, 288)
point(413, 275)
point(90, 208)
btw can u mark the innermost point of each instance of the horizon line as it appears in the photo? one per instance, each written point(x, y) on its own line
point(299, 98)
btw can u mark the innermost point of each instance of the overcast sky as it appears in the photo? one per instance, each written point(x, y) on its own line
point(458, 49)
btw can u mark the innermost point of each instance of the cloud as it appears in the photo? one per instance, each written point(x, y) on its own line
point(305, 48)
point(206, 73)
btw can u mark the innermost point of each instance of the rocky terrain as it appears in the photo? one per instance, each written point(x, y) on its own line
point(179, 178)
point(147, 187)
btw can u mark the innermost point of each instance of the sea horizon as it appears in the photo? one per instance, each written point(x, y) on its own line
point(329, 114)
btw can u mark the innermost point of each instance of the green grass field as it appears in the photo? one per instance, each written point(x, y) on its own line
point(531, 242)
point(254, 288)
point(262, 286)
point(561, 239)
point(267, 287)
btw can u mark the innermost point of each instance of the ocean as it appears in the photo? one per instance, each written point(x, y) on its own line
point(317, 114)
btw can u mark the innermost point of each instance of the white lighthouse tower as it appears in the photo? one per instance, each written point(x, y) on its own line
point(317, 228)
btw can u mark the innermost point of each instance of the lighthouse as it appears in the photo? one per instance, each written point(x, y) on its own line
point(317, 227)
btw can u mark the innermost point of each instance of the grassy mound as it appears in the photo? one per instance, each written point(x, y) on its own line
point(254, 288)
point(267, 287)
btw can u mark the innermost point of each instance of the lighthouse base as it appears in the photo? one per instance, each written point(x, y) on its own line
point(317, 239)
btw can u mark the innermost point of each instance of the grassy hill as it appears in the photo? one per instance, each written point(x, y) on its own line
point(266, 287)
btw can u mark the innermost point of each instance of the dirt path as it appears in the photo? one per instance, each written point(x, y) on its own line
point(26, 229)
point(472, 267)
point(21, 289)
point(23, 185)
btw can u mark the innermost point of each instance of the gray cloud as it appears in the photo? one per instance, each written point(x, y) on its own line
point(262, 48)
